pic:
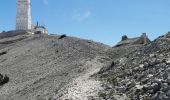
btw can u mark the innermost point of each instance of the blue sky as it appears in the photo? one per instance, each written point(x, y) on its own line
point(99, 20)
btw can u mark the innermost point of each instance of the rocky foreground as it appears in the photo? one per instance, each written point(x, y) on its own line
point(44, 67)
point(142, 73)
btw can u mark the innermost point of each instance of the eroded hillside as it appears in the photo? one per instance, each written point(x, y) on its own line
point(143, 73)
point(41, 67)
point(44, 67)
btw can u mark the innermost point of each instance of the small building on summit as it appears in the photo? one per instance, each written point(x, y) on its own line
point(40, 29)
point(24, 21)
point(143, 39)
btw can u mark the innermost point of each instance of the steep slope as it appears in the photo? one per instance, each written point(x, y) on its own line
point(43, 67)
point(140, 74)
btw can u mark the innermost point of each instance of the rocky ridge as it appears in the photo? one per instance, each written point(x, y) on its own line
point(140, 74)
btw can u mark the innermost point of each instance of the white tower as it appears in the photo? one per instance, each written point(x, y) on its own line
point(23, 18)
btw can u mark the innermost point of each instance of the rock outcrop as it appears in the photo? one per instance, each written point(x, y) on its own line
point(3, 79)
point(140, 74)
point(143, 39)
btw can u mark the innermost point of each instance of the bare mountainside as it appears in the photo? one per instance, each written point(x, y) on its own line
point(142, 73)
point(43, 67)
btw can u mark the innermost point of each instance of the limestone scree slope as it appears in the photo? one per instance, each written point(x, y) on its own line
point(142, 73)
point(46, 67)
point(43, 67)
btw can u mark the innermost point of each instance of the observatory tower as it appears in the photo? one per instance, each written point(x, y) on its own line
point(23, 18)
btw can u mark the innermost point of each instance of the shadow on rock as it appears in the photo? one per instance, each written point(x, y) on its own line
point(3, 79)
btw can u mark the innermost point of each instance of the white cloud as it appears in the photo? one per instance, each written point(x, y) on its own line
point(81, 16)
point(46, 2)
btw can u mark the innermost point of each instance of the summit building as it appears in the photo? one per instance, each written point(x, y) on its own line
point(23, 18)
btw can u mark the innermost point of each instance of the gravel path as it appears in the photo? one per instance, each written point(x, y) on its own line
point(84, 87)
